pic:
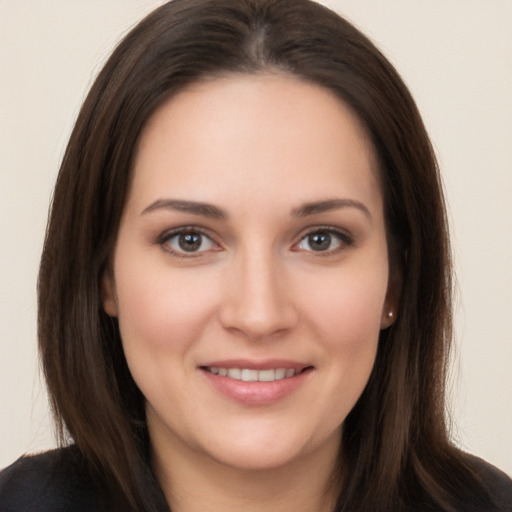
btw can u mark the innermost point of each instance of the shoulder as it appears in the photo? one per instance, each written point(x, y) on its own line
point(52, 481)
point(496, 482)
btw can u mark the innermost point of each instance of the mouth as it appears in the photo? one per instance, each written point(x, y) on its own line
point(256, 383)
point(254, 375)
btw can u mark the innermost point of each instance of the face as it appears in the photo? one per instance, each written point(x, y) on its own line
point(250, 274)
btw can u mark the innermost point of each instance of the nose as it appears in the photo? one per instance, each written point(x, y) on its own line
point(258, 301)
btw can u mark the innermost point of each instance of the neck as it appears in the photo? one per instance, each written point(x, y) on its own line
point(195, 482)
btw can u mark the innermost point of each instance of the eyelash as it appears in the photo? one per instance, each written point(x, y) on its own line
point(344, 240)
point(165, 238)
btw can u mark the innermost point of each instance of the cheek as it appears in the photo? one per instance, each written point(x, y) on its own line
point(161, 310)
point(349, 311)
point(162, 314)
point(346, 316)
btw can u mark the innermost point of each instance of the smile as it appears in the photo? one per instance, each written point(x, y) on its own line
point(251, 375)
point(256, 382)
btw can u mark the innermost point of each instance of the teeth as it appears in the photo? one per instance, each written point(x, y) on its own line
point(234, 373)
point(280, 373)
point(267, 375)
point(249, 375)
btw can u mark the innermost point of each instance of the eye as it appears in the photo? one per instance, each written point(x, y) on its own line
point(324, 240)
point(188, 242)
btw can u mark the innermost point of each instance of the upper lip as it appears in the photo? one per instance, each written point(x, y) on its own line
point(251, 364)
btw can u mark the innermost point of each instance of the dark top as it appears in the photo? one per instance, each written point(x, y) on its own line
point(58, 481)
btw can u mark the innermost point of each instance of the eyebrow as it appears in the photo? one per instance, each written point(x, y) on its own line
point(329, 204)
point(213, 212)
point(196, 208)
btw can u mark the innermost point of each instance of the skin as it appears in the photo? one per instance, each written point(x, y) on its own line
point(258, 148)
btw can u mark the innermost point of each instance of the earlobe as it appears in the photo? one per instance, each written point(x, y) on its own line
point(108, 295)
point(388, 319)
point(390, 308)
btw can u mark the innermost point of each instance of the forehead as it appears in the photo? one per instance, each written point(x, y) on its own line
point(254, 130)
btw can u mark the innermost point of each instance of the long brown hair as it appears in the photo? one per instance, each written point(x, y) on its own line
point(396, 449)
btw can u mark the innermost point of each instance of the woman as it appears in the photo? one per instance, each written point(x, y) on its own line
point(244, 295)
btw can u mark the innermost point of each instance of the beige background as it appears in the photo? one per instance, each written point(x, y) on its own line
point(456, 56)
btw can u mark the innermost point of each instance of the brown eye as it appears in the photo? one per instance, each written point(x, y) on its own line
point(189, 242)
point(323, 241)
point(319, 241)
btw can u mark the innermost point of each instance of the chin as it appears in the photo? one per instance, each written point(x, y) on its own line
point(256, 451)
point(256, 459)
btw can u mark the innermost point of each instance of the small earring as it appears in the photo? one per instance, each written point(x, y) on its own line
point(390, 314)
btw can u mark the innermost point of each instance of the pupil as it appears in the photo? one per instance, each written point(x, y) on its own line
point(190, 241)
point(320, 241)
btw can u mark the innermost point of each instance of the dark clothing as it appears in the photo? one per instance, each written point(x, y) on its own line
point(52, 481)
point(58, 481)
point(498, 483)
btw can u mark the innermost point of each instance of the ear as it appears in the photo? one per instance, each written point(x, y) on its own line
point(390, 308)
point(108, 294)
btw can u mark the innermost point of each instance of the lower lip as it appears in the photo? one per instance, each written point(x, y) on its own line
point(256, 393)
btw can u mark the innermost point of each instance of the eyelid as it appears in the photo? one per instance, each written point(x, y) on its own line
point(346, 239)
point(164, 238)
